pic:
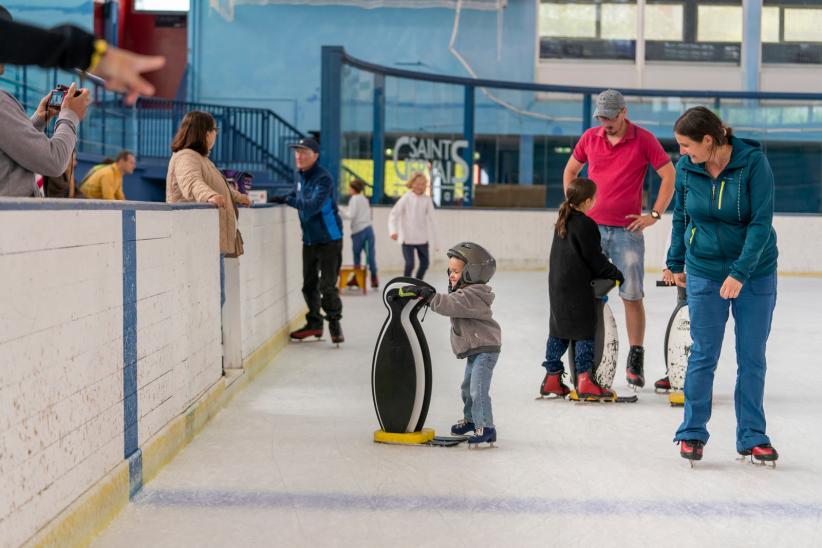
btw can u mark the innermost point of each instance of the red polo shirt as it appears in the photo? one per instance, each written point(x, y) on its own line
point(619, 170)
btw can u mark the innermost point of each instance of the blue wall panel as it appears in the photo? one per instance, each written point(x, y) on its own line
point(283, 72)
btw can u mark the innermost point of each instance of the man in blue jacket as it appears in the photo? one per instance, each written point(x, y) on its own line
point(316, 201)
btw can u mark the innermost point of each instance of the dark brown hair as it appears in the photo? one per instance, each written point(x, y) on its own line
point(193, 132)
point(697, 122)
point(579, 190)
point(357, 184)
point(123, 155)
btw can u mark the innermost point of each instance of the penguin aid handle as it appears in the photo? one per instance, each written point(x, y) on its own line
point(602, 286)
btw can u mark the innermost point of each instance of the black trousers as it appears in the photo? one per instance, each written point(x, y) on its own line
point(321, 268)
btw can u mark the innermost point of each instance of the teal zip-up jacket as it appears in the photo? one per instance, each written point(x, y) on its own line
point(724, 227)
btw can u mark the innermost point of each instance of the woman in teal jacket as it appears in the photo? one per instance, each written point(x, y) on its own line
point(724, 239)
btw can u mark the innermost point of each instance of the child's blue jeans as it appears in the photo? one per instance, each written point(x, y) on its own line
point(555, 349)
point(476, 388)
point(364, 240)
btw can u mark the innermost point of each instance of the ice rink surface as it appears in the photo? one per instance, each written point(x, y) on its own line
point(291, 461)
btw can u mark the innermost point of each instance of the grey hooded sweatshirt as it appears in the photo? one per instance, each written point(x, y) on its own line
point(473, 329)
point(26, 150)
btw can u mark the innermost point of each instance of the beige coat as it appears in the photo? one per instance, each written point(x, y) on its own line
point(192, 177)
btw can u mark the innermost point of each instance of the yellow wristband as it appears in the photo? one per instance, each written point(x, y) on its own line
point(100, 47)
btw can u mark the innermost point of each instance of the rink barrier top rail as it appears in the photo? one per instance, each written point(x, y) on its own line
point(527, 86)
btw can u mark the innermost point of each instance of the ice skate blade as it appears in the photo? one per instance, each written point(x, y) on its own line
point(490, 445)
point(550, 397)
point(306, 340)
point(661, 390)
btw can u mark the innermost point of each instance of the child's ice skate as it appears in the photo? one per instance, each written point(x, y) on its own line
point(588, 389)
point(462, 428)
point(552, 385)
point(487, 435)
point(662, 386)
point(691, 450)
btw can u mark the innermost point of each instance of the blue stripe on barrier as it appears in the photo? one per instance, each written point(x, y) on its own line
point(130, 413)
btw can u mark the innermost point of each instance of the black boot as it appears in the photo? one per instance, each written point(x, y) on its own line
point(306, 331)
point(634, 373)
point(335, 329)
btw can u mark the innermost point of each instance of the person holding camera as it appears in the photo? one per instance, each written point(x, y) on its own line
point(25, 149)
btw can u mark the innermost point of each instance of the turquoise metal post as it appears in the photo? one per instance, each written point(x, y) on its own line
point(378, 140)
point(587, 112)
point(331, 110)
point(526, 159)
point(468, 154)
point(751, 43)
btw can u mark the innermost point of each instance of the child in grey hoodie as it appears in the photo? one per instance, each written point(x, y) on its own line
point(474, 334)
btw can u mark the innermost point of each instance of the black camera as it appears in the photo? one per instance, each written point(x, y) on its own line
point(58, 94)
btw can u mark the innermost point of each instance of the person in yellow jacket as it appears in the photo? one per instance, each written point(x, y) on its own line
point(106, 183)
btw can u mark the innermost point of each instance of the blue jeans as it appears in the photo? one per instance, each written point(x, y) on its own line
point(626, 250)
point(555, 349)
point(364, 240)
point(753, 311)
point(408, 255)
point(476, 388)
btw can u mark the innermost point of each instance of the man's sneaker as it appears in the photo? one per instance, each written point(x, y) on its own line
point(462, 428)
point(589, 388)
point(375, 283)
point(552, 384)
point(634, 373)
point(691, 450)
point(662, 385)
point(307, 331)
point(483, 435)
point(335, 329)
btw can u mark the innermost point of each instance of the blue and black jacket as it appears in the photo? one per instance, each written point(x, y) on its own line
point(316, 201)
point(724, 227)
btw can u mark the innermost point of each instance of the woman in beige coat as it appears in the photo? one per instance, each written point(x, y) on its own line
point(192, 177)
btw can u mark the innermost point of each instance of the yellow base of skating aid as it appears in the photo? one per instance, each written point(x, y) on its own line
point(405, 438)
point(676, 398)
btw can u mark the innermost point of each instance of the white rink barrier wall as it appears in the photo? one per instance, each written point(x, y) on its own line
point(521, 239)
point(110, 347)
point(110, 334)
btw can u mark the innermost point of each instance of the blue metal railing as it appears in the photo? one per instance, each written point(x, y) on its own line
point(251, 139)
point(387, 103)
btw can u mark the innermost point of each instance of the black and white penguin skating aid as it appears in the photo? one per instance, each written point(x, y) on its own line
point(677, 346)
point(401, 370)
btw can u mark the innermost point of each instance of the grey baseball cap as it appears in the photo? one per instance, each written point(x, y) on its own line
point(609, 103)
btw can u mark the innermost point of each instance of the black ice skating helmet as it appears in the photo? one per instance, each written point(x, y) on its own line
point(480, 266)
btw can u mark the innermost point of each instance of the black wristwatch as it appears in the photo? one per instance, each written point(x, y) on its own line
point(655, 214)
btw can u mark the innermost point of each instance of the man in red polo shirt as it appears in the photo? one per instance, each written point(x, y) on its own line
point(618, 154)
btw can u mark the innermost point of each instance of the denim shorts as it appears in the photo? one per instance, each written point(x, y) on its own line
point(626, 249)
